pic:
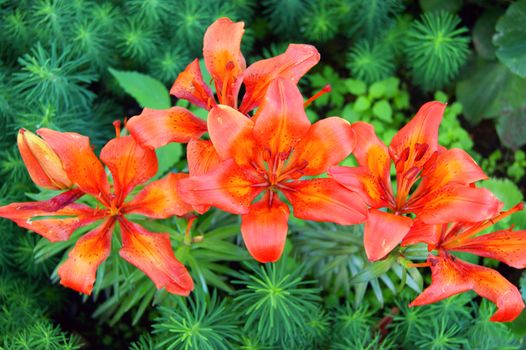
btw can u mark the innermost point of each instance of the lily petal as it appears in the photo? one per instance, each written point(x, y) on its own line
point(264, 229)
point(383, 232)
point(325, 200)
point(231, 134)
point(227, 187)
point(57, 225)
point(81, 165)
point(416, 142)
point(456, 203)
point(450, 277)
point(506, 246)
point(190, 86)
point(223, 58)
point(423, 233)
point(328, 142)
point(155, 128)
point(152, 254)
point(79, 271)
point(160, 199)
point(202, 157)
point(43, 164)
point(291, 65)
point(361, 181)
point(281, 120)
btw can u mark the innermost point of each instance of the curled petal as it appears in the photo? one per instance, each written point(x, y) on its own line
point(78, 272)
point(231, 134)
point(383, 232)
point(281, 120)
point(160, 199)
point(423, 233)
point(155, 128)
point(264, 229)
point(202, 157)
point(42, 163)
point(361, 181)
point(56, 225)
point(291, 65)
point(452, 276)
point(328, 142)
point(81, 165)
point(457, 203)
point(416, 142)
point(223, 58)
point(227, 187)
point(506, 246)
point(190, 86)
point(129, 163)
point(325, 200)
point(152, 254)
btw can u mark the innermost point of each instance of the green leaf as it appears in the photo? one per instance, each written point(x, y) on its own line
point(377, 90)
point(505, 190)
point(356, 87)
point(511, 127)
point(440, 5)
point(373, 270)
point(382, 109)
point(147, 91)
point(168, 156)
point(362, 104)
point(483, 33)
point(510, 38)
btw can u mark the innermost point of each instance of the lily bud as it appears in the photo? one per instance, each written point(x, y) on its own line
point(42, 163)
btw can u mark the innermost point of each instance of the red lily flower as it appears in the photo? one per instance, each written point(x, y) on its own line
point(226, 64)
point(269, 154)
point(445, 193)
point(451, 275)
point(61, 160)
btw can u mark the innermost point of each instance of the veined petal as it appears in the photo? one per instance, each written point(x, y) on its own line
point(325, 200)
point(291, 65)
point(361, 181)
point(453, 165)
point(423, 233)
point(43, 164)
point(81, 165)
point(264, 229)
point(383, 232)
point(190, 86)
point(506, 246)
point(231, 134)
point(281, 120)
point(79, 271)
point(155, 128)
point(202, 157)
point(328, 142)
point(223, 58)
point(55, 225)
point(160, 199)
point(456, 203)
point(416, 142)
point(227, 187)
point(129, 163)
point(453, 276)
point(152, 253)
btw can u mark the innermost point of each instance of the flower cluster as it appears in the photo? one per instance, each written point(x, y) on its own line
point(262, 159)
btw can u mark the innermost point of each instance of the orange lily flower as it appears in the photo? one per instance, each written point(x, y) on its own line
point(451, 275)
point(269, 154)
point(227, 66)
point(63, 160)
point(446, 192)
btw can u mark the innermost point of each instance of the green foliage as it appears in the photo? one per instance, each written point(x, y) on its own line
point(370, 61)
point(436, 49)
point(509, 38)
point(508, 192)
point(136, 40)
point(146, 90)
point(318, 22)
point(483, 33)
point(284, 16)
point(54, 76)
point(52, 17)
point(517, 169)
point(276, 303)
point(150, 11)
point(451, 133)
point(42, 336)
point(371, 18)
point(167, 65)
point(201, 322)
point(190, 19)
point(92, 40)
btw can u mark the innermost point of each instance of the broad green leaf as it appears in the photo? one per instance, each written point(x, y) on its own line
point(382, 109)
point(377, 90)
point(362, 103)
point(511, 127)
point(483, 33)
point(168, 156)
point(505, 190)
point(147, 91)
point(356, 87)
point(510, 38)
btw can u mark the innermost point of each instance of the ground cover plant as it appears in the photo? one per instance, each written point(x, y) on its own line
point(337, 174)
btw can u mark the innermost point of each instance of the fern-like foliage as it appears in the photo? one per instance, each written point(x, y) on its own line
point(150, 11)
point(436, 48)
point(284, 16)
point(189, 21)
point(54, 76)
point(371, 61)
point(137, 40)
point(16, 31)
point(92, 40)
point(200, 322)
point(370, 18)
point(52, 17)
point(276, 303)
point(168, 64)
point(42, 336)
point(318, 23)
